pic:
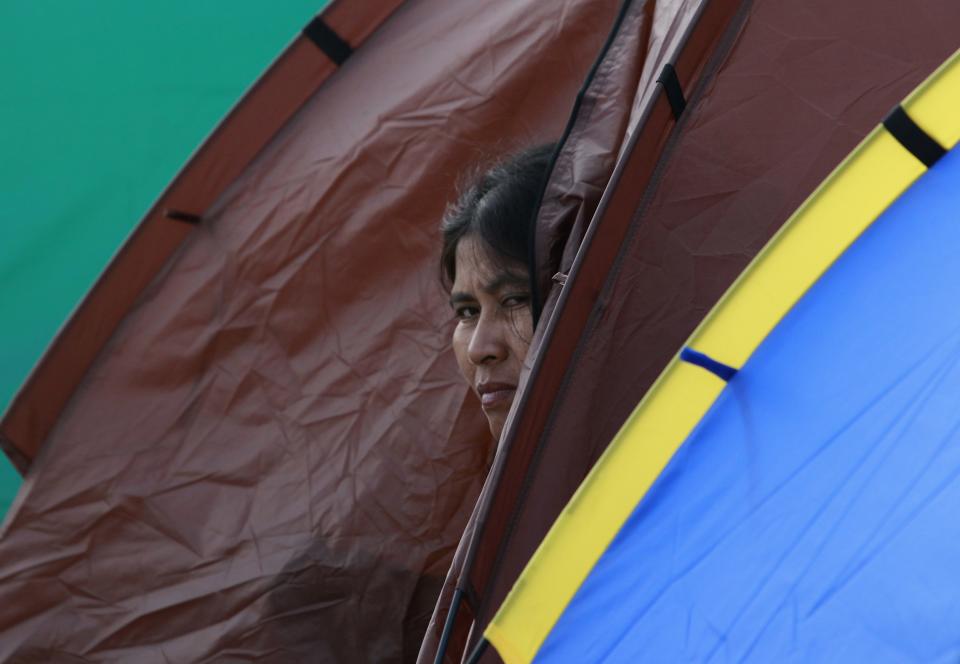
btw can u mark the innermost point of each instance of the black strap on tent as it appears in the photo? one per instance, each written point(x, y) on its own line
point(918, 142)
point(671, 85)
point(327, 40)
point(704, 361)
point(180, 215)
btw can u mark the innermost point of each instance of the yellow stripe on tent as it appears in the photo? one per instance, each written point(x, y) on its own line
point(862, 187)
point(594, 515)
point(848, 201)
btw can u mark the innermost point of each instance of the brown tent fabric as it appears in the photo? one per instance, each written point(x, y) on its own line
point(251, 442)
point(270, 103)
point(777, 93)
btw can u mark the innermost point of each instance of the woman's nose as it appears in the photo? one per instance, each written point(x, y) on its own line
point(487, 343)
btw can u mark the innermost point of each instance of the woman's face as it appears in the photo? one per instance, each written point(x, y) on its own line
point(491, 300)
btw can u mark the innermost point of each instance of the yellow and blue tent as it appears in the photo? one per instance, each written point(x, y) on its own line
point(787, 490)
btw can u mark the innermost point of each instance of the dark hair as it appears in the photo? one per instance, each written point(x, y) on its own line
point(498, 207)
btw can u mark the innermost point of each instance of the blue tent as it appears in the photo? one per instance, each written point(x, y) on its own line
point(787, 491)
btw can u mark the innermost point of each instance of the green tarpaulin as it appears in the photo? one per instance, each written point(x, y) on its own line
point(104, 103)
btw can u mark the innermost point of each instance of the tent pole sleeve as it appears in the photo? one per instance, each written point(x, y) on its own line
point(448, 625)
point(478, 651)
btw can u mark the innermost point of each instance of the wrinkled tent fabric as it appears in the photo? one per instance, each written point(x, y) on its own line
point(813, 412)
point(777, 93)
point(270, 103)
point(95, 123)
point(251, 441)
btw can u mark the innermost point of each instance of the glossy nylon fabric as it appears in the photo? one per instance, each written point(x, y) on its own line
point(296, 74)
point(79, 173)
point(809, 517)
point(274, 455)
point(795, 89)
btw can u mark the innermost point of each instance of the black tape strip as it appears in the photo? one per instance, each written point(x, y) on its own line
point(918, 142)
point(180, 215)
point(671, 85)
point(704, 361)
point(328, 41)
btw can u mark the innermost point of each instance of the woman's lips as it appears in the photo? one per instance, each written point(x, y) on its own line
point(496, 395)
point(497, 398)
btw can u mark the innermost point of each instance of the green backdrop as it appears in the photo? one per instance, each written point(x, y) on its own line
point(103, 103)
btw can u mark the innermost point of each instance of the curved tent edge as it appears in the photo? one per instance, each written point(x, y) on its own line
point(807, 245)
point(299, 70)
point(708, 34)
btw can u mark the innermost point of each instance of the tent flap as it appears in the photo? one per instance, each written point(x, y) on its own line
point(769, 115)
point(273, 453)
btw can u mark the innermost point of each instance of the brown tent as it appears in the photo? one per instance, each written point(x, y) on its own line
point(720, 118)
point(250, 442)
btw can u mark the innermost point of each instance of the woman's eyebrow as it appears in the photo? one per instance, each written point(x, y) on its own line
point(506, 279)
point(459, 297)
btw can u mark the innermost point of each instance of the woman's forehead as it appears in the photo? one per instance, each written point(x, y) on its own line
point(478, 267)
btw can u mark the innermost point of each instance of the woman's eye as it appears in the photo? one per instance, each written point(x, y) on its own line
point(466, 312)
point(516, 300)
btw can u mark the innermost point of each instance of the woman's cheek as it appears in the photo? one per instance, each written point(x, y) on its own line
point(461, 346)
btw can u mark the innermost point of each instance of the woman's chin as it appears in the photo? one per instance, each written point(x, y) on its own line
point(496, 421)
point(496, 406)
